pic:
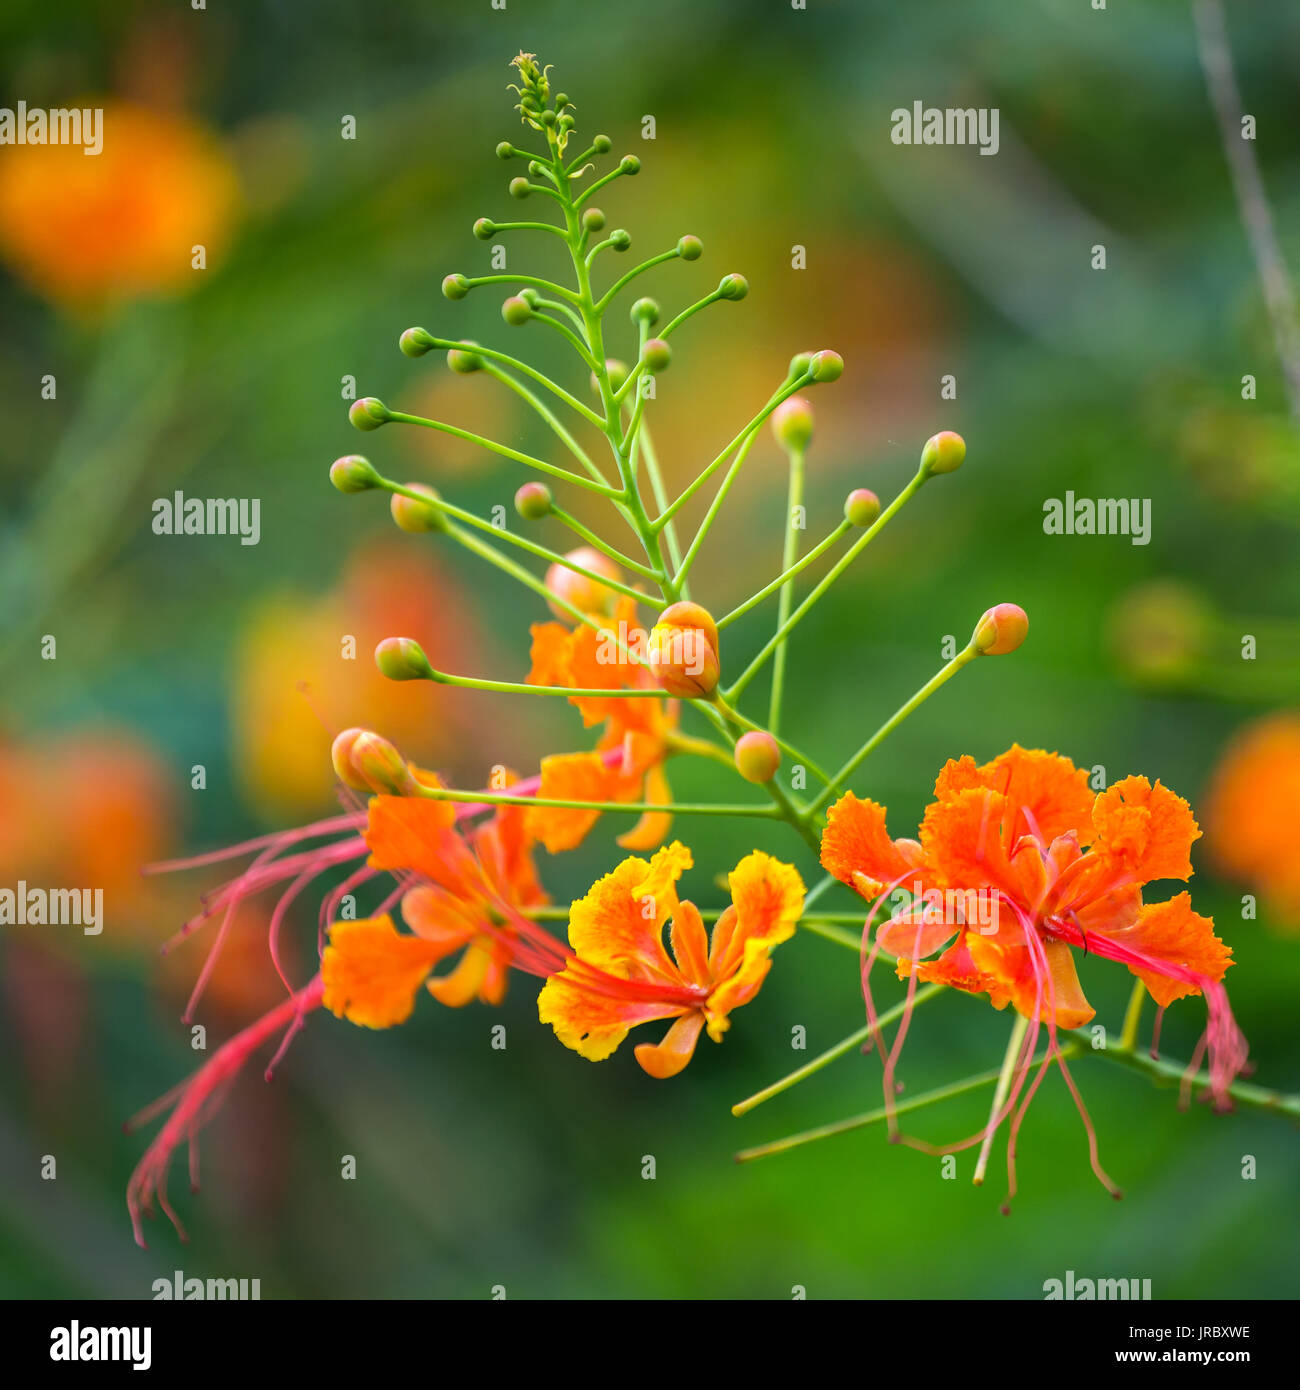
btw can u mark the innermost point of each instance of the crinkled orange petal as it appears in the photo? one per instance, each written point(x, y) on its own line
point(618, 926)
point(568, 777)
point(1147, 830)
point(591, 1023)
point(856, 847)
point(1171, 931)
point(767, 902)
point(372, 972)
point(1048, 786)
point(664, 1059)
point(412, 833)
point(957, 969)
point(963, 841)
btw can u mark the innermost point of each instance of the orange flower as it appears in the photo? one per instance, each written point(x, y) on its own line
point(471, 896)
point(1011, 836)
point(621, 975)
point(84, 228)
point(1251, 810)
point(586, 659)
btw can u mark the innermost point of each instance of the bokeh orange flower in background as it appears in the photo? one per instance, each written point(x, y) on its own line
point(292, 671)
point(1251, 810)
point(84, 230)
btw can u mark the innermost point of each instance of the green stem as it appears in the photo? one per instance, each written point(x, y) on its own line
point(1003, 1089)
point(783, 579)
point(789, 554)
point(857, 1039)
point(683, 808)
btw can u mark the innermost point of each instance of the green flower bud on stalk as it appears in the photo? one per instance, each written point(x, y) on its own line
point(455, 286)
point(462, 361)
point(620, 239)
point(1001, 630)
point(826, 366)
point(368, 413)
point(533, 501)
point(645, 311)
point(861, 507)
point(415, 342)
point(485, 229)
point(602, 144)
point(799, 365)
point(402, 659)
point(417, 517)
point(733, 287)
point(516, 310)
point(943, 453)
point(593, 220)
point(618, 374)
point(519, 188)
point(352, 473)
point(757, 756)
point(505, 150)
point(630, 164)
point(792, 424)
point(690, 248)
point(372, 764)
point(656, 355)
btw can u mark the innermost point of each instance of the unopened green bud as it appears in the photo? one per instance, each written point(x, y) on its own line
point(505, 150)
point(656, 355)
point(352, 473)
point(593, 220)
point(462, 361)
point(861, 507)
point(630, 164)
point(1001, 630)
point(455, 286)
point(943, 453)
point(374, 764)
point(516, 310)
point(402, 659)
point(690, 248)
point(602, 144)
point(485, 229)
point(792, 424)
point(415, 342)
point(618, 375)
point(368, 413)
point(620, 239)
point(645, 311)
point(733, 287)
point(548, 117)
point(757, 756)
point(533, 501)
point(799, 365)
point(519, 188)
point(826, 366)
point(414, 516)
point(561, 100)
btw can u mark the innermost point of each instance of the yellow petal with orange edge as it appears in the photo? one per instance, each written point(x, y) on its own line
point(670, 1056)
point(371, 972)
point(590, 1023)
point(618, 926)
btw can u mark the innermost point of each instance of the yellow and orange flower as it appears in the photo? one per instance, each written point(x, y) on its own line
point(1017, 830)
point(627, 764)
point(469, 898)
point(84, 230)
point(621, 975)
point(1251, 810)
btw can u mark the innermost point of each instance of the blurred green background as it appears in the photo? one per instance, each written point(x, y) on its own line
point(523, 1167)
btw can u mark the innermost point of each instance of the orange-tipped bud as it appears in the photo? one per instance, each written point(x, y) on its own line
point(415, 516)
point(792, 424)
point(379, 766)
point(402, 659)
point(943, 453)
point(1001, 630)
point(583, 593)
point(757, 756)
point(367, 763)
point(682, 652)
point(861, 507)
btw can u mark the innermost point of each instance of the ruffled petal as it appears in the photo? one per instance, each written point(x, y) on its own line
point(371, 972)
point(1172, 934)
point(568, 777)
point(1146, 830)
point(856, 847)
